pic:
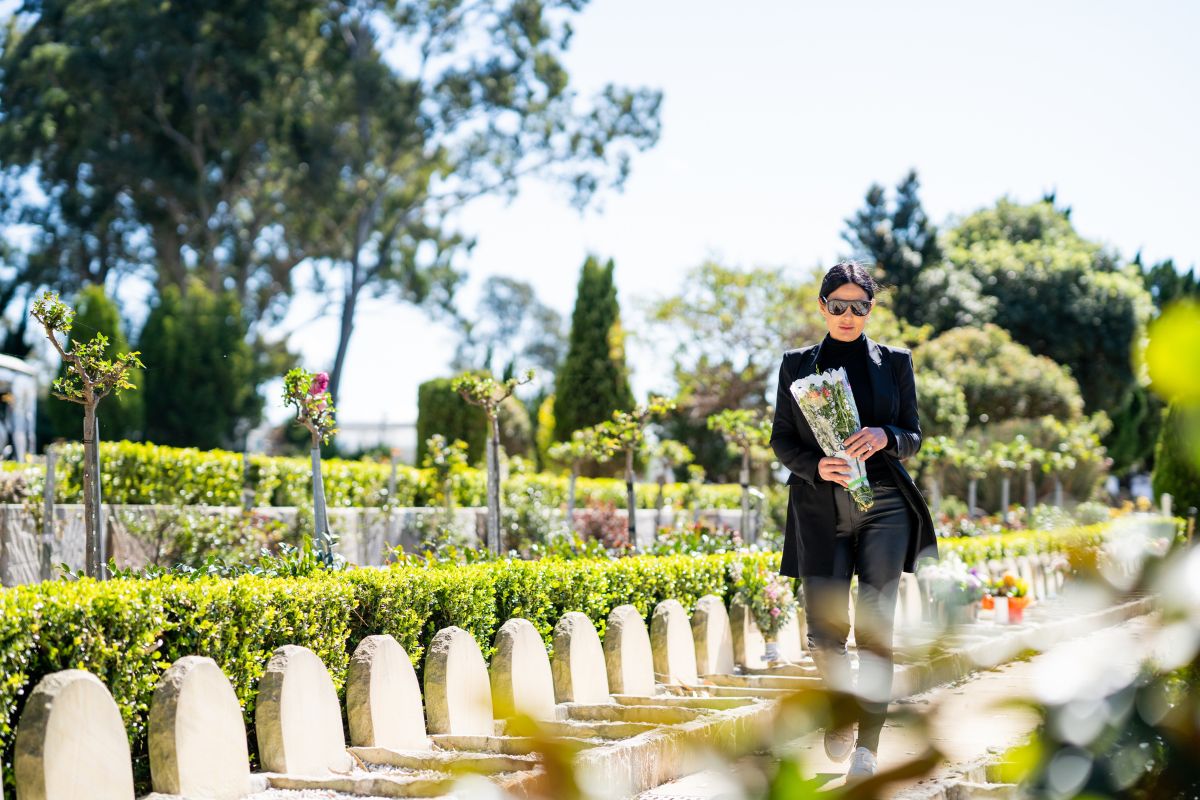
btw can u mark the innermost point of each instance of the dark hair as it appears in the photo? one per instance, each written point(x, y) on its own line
point(848, 272)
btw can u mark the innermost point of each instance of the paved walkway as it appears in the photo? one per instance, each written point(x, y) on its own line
point(967, 719)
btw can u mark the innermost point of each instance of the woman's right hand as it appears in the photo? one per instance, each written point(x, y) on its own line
point(834, 469)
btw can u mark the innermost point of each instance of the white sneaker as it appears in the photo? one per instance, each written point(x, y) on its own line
point(862, 765)
point(839, 742)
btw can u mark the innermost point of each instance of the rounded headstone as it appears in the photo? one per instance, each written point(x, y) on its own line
point(748, 643)
point(791, 637)
point(71, 742)
point(383, 697)
point(713, 635)
point(627, 653)
point(580, 675)
point(298, 719)
point(672, 644)
point(458, 694)
point(1025, 572)
point(197, 737)
point(522, 682)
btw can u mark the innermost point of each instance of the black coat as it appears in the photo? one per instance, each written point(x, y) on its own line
point(812, 515)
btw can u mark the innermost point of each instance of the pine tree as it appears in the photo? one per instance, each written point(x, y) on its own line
point(122, 415)
point(202, 379)
point(901, 242)
point(593, 381)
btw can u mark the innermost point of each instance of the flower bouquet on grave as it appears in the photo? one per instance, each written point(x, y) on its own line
point(769, 596)
point(827, 403)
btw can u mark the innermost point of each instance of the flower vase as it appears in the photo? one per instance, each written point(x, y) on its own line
point(963, 613)
point(1016, 609)
point(1000, 610)
point(771, 656)
point(987, 602)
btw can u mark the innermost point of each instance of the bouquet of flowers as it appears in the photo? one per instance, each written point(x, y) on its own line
point(951, 581)
point(827, 403)
point(770, 597)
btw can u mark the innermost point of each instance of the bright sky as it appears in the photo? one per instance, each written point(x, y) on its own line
point(777, 116)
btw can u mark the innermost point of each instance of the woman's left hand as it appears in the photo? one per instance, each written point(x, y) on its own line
point(866, 443)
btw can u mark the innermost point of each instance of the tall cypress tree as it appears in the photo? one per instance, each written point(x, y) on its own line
point(201, 376)
point(593, 381)
point(121, 416)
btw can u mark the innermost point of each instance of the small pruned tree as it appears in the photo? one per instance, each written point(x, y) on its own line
point(585, 445)
point(746, 431)
point(308, 394)
point(937, 454)
point(1026, 457)
point(488, 393)
point(973, 461)
point(626, 433)
point(999, 456)
point(670, 454)
point(89, 378)
point(1057, 463)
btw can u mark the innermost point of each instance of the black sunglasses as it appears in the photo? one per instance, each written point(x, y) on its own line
point(838, 307)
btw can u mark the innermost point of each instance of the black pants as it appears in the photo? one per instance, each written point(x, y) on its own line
point(872, 543)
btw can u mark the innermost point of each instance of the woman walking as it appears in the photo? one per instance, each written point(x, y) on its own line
point(828, 538)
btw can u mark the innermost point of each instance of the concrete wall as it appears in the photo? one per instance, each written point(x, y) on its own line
point(366, 534)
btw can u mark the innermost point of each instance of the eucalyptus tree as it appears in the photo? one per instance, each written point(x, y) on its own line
point(420, 107)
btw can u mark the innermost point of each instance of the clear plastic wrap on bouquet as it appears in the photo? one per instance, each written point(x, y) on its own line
point(827, 403)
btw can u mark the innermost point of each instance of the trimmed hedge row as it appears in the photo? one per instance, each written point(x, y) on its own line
point(135, 473)
point(129, 631)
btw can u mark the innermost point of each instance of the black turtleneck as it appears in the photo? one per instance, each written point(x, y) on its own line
point(852, 357)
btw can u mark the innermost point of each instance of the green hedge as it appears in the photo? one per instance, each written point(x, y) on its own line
point(134, 473)
point(129, 631)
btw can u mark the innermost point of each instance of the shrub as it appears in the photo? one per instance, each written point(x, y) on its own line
point(128, 631)
point(1177, 457)
point(442, 410)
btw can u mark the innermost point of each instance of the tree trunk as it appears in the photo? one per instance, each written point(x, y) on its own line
point(91, 531)
point(345, 331)
point(631, 498)
point(1030, 493)
point(972, 494)
point(1058, 491)
point(571, 496)
point(493, 483)
point(320, 518)
point(744, 479)
point(658, 501)
point(935, 493)
point(1005, 486)
point(48, 514)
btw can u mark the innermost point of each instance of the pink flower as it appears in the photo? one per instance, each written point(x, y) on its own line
point(775, 612)
point(320, 383)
